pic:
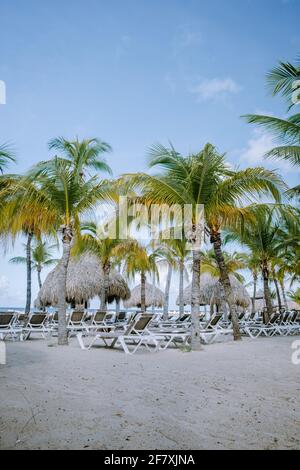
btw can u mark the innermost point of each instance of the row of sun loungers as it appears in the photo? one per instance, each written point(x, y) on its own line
point(131, 331)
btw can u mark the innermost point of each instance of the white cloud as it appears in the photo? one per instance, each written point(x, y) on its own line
point(257, 146)
point(210, 89)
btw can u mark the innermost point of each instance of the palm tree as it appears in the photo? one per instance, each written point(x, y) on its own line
point(62, 198)
point(6, 157)
point(284, 79)
point(234, 263)
point(41, 258)
point(104, 249)
point(20, 217)
point(137, 260)
point(178, 254)
point(261, 238)
point(82, 155)
point(205, 179)
point(166, 257)
point(252, 263)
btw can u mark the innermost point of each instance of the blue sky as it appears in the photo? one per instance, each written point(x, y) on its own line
point(134, 72)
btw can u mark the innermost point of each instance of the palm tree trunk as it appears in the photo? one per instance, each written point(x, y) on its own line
point(62, 283)
point(39, 270)
point(153, 293)
point(29, 269)
point(143, 292)
point(283, 295)
point(225, 281)
point(105, 287)
point(195, 304)
point(278, 293)
point(254, 292)
point(181, 276)
point(117, 306)
point(267, 293)
point(167, 293)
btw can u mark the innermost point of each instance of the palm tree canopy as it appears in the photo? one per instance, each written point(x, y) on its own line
point(87, 153)
point(205, 178)
point(281, 79)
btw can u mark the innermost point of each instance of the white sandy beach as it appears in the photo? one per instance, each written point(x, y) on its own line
point(229, 396)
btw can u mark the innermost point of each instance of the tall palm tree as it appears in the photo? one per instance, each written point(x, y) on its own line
point(104, 249)
point(261, 238)
point(178, 254)
point(84, 154)
point(42, 257)
point(137, 260)
point(284, 79)
point(62, 198)
point(234, 262)
point(20, 217)
point(252, 263)
point(166, 257)
point(205, 179)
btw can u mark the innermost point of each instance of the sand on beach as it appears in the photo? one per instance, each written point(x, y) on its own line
point(232, 395)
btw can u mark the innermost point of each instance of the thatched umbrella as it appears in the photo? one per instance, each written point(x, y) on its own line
point(211, 292)
point(84, 281)
point(118, 288)
point(154, 296)
point(206, 280)
point(240, 294)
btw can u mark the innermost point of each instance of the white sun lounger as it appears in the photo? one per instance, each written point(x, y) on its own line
point(9, 327)
point(258, 329)
point(131, 339)
point(37, 324)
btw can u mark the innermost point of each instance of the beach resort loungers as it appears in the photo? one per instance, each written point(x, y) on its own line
point(130, 339)
point(9, 327)
point(131, 330)
point(36, 325)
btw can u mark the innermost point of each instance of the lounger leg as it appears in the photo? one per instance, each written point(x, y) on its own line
point(80, 341)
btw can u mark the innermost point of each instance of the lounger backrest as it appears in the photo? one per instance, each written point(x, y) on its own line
point(37, 319)
point(6, 319)
point(121, 316)
point(109, 317)
point(99, 316)
point(274, 318)
point(213, 321)
point(77, 316)
point(285, 317)
point(294, 316)
point(183, 318)
point(140, 323)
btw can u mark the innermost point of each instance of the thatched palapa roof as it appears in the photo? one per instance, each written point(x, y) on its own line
point(154, 296)
point(211, 292)
point(84, 281)
point(205, 281)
